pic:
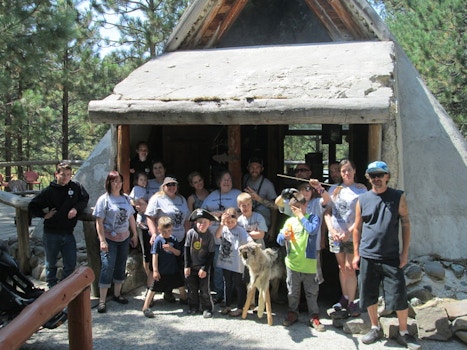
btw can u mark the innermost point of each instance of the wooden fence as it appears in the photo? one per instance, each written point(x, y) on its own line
point(20, 203)
point(73, 292)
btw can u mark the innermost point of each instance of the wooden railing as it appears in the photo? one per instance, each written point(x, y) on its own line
point(20, 203)
point(73, 292)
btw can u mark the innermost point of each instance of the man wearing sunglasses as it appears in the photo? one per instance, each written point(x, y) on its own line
point(376, 252)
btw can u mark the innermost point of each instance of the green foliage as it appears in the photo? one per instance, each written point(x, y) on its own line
point(433, 34)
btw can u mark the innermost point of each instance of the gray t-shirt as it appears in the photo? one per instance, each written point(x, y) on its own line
point(253, 223)
point(231, 240)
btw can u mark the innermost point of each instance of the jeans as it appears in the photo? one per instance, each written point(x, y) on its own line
point(55, 243)
point(113, 263)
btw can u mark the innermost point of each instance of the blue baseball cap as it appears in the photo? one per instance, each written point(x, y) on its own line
point(377, 167)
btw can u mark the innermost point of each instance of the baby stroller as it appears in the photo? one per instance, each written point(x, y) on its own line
point(17, 292)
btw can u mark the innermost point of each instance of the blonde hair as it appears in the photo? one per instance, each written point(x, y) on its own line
point(244, 197)
point(231, 211)
point(164, 222)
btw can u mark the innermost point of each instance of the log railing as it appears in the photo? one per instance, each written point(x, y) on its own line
point(73, 292)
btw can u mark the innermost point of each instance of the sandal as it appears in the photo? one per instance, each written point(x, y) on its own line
point(120, 299)
point(101, 308)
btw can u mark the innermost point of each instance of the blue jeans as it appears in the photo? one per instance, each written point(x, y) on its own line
point(55, 243)
point(113, 263)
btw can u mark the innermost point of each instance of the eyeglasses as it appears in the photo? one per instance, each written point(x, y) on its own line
point(171, 184)
point(301, 170)
point(378, 175)
point(233, 216)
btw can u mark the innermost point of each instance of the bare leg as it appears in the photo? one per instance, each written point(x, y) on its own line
point(402, 316)
point(373, 314)
point(103, 294)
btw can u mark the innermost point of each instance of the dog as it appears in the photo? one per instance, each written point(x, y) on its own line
point(264, 265)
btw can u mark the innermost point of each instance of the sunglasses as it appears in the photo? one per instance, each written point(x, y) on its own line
point(171, 184)
point(307, 188)
point(233, 216)
point(378, 175)
point(301, 170)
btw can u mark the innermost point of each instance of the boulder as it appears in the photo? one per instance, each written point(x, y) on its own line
point(455, 309)
point(435, 270)
point(433, 323)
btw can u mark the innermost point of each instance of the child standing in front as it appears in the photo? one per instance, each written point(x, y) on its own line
point(199, 256)
point(232, 237)
point(299, 236)
point(253, 222)
point(166, 273)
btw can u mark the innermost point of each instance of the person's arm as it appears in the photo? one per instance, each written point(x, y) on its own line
point(101, 235)
point(83, 199)
point(320, 189)
point(356, 235)
point(328, 220)
point(405, 224)
point(133, 232)
point(190, 202)
point(155, 267)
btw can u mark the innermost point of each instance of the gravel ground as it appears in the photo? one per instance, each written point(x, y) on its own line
point(125, 327)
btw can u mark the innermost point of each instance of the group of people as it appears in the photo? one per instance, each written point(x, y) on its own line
point(189, 243)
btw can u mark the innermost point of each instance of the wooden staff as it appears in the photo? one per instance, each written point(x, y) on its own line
point(300, 179)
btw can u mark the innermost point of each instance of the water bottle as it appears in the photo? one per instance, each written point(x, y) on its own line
point(335, 246)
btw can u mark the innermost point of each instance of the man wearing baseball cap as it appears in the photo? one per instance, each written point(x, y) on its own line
point(376, 252)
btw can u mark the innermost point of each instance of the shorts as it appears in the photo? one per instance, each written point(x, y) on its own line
point(168, 282)
point(344, 247)
point(390, 276)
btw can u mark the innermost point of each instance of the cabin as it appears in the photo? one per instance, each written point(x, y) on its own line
point(238, 76)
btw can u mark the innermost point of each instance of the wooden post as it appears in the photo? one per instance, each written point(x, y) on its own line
point(123, 155)
point(235, 153)
point(22, 229)
point(92, 252)
point(375, 132)
point(80, 321)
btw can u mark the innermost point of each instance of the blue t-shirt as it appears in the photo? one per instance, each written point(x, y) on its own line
point(168, 261)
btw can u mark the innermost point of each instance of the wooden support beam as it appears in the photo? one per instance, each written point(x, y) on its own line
point(375, 137)
point(123, 155)
point(235, 153)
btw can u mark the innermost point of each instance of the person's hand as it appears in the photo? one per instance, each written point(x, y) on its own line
point(134, 241)
point(51, 213)
point(72, 213)
point(187, 271)
point(356, 262)
point(104, 247)
point(402, 260)
point(152, 239)
point(202, 274)
point(156, 275)
point(252, 193)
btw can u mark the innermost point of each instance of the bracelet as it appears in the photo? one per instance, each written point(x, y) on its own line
point(321, 190)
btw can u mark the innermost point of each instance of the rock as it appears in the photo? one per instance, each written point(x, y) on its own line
point(81, 257)
point(456, 309)
point(38, 251)
point(390, 326)
point(422, 294)
point(415, 302)
point(433, 323)
point(356, 326)
point(413, 274)
point(423, 259)
point(446, 263)
point(136, 276)
point(435, 270)
point(458, 270)
point(459, 324)
point(462, 335)
point(34, 261)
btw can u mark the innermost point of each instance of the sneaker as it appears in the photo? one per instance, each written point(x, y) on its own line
point(290, 319)
point(102, 307)
point(148, 313)
point(316, 324)
point(353, 309)
point(373, 335)
point(225, 310)
point(235, 313)
point(341, 304)
point(408, 341)
point(207, 314)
